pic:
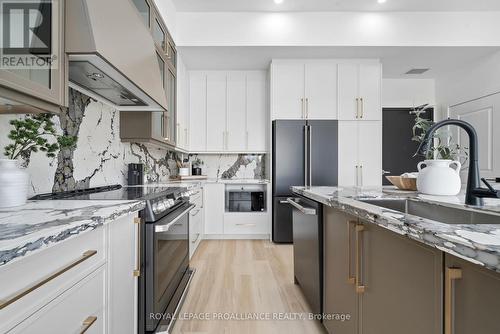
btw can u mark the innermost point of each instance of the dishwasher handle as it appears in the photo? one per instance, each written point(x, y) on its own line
point(303, 209)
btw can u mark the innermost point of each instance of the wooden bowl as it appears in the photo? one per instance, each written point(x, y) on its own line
point(403, 183)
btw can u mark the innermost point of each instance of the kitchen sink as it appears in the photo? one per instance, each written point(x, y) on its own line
point(437, 212)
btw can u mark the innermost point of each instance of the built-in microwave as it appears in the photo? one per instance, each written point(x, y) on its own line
point(245, 198)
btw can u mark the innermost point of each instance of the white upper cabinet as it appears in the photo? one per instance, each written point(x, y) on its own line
point(370, 89)
point(348, 174)
point(360, 153)
point(321, 90)
point(197, 132)
point(359, 91)
point(228, 111)
point(288, 90)
point(257, 117)
point(182, 126)
point(348, 91)
point(216, 111)
point(326, 89)
point(370, 153)
point(236, 134)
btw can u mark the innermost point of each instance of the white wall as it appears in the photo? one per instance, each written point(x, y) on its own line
point(408, 92)
point(339, 28)
point(169, 14)
point(469, 82)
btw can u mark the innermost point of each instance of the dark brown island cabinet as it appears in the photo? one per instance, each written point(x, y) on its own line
point(387, 283)
point(471, 298)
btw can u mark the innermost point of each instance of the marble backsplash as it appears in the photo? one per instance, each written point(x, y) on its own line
point(100, 158)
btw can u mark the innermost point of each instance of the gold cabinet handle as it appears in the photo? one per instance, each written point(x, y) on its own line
point(362, 102)
point(360, 287)
point(137, 271)
point(87, 323)
point(452, 274)
point(20, 294)
point(307, 107)
point(357, 107)
point(350, 278)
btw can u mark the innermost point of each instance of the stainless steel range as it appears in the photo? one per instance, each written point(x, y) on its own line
point(165, 272)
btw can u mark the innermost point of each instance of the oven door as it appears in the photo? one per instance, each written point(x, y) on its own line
point(167, 263)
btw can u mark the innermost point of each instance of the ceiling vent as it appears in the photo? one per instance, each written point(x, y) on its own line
point(417, 71)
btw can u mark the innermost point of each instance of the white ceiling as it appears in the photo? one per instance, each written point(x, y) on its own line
point(396, 60)
point(336, 5)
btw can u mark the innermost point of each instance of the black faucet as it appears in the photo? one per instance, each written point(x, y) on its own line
point(474, 193)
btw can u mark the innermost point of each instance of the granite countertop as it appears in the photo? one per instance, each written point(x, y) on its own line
point(41, 224)
point(477, 243)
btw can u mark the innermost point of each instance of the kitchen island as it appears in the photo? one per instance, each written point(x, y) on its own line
point(396, 272)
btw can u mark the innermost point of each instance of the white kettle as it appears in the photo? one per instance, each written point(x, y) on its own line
point(438, 177)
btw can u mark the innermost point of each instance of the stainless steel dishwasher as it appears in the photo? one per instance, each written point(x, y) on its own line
point(307, 217)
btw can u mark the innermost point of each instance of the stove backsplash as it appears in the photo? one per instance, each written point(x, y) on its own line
point(100, 158)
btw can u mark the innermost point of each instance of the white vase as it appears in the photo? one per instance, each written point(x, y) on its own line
point(14, 183)
point(183, 171)
point(439, 178)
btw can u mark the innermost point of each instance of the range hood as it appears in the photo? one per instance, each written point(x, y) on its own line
point(112, 55)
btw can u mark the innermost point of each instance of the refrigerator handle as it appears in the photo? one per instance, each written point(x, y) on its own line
point(310, 155)
point(306, 154)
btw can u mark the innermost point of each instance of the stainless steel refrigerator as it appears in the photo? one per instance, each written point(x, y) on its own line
point(305, 153)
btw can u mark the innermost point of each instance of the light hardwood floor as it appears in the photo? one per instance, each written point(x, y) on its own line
point(242, 277)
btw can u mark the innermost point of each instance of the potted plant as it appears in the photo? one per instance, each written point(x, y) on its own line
point(439, 173)
point(197, 163)
point(29, 135)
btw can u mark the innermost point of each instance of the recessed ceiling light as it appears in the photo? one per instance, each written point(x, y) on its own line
point(381, 1)
point(278, 2)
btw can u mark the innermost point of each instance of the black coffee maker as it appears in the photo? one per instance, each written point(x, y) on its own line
point(135, 174)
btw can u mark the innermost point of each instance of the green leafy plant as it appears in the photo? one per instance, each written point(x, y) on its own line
point(32, 134)
point(443, 146)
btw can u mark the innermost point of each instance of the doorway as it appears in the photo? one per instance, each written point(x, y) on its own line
point(397, 147)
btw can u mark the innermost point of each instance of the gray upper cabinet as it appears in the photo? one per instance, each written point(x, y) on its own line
point(31, 90)
point(156, 127)
point(472, 298)
point(387, 283)
point(144, 10)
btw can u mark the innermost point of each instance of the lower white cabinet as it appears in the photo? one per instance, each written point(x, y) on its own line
point(123, 259)
point(84, 282)
point(214, 208)
point(241, 223)
point(360, 153)
point(80, 309)
point(196, 221)
point(220, 224)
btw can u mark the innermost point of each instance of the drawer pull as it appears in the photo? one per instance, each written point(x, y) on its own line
point(451, 275)
point(4, 303)
point(137, 271)
point(87, 323)
point(248, 224)
point(350, 278)
point(360, 287)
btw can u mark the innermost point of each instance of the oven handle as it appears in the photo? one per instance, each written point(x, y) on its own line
point(165, 228)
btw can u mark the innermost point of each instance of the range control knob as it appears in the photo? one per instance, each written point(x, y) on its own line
point(155, 207)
